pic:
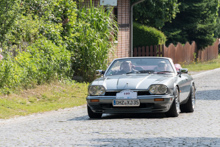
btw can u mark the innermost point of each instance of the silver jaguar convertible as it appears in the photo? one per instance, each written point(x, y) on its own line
point(141, 85)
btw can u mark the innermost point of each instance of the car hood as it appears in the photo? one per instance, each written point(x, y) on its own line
point(133, 81)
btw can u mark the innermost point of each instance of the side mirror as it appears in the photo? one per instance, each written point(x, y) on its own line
point(183, 70)
point(99, 73)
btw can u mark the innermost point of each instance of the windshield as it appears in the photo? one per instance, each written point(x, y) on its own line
point(140, 65)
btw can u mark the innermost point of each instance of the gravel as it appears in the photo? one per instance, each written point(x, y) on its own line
point(72, 127)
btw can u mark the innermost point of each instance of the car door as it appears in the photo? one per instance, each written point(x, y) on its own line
point(184, 86)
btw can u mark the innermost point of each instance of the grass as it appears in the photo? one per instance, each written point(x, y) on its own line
point(202, 66)
point(59, 95)
point(43, 98)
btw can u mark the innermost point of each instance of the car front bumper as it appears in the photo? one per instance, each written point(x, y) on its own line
point(147, 104)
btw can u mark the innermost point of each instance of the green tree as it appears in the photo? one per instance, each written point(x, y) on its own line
point(217, 31)
point(195, 22)
point(9, 9)
point(155, 13)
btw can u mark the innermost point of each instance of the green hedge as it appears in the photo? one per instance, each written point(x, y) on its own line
point(146, 36)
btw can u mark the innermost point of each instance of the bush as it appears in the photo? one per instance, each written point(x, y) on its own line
point(42, 62)
point(55, 40)
point(146, 36)
point(91, 41)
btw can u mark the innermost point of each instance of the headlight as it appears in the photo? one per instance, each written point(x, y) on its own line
point(158, 89)
point(96, 90)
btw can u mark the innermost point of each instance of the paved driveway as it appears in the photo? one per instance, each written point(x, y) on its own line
point(72, 127)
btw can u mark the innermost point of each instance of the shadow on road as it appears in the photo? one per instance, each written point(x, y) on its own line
point(208, 95)
point(135, 116)
point(122, 116)
point(158, 141)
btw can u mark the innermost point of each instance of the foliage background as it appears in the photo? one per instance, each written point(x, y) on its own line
point(156, 13)
point(181, 20)
point(49, 40)
point(72, 34)
point(195, 22)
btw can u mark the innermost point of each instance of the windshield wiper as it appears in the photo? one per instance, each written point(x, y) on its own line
point(162, 72)
point(147, 71)
point(132, 72)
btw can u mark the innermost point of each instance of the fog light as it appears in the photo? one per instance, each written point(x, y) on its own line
point(159, 99)
point(94, 100)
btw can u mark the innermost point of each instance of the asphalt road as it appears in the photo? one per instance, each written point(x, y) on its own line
point(72, 127)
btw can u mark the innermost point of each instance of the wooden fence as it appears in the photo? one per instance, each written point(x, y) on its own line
point(156, 50)
point(211, 52)
point(179, 53)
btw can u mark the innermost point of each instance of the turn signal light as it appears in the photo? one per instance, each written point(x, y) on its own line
point(94, 100)
point(159, 99)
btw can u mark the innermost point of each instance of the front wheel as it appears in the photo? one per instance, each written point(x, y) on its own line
point(175, 107)
point(93, 114)
point(190, 105)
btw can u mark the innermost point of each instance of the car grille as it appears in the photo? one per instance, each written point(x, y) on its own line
point(139, 93)
point(143, 93)
point(110, 93)
point(142, 105)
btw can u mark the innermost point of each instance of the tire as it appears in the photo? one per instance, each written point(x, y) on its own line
point(93, 114)
point(189, 106)
point(175, 107)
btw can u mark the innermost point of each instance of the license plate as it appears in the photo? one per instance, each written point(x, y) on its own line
point(126, 103)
